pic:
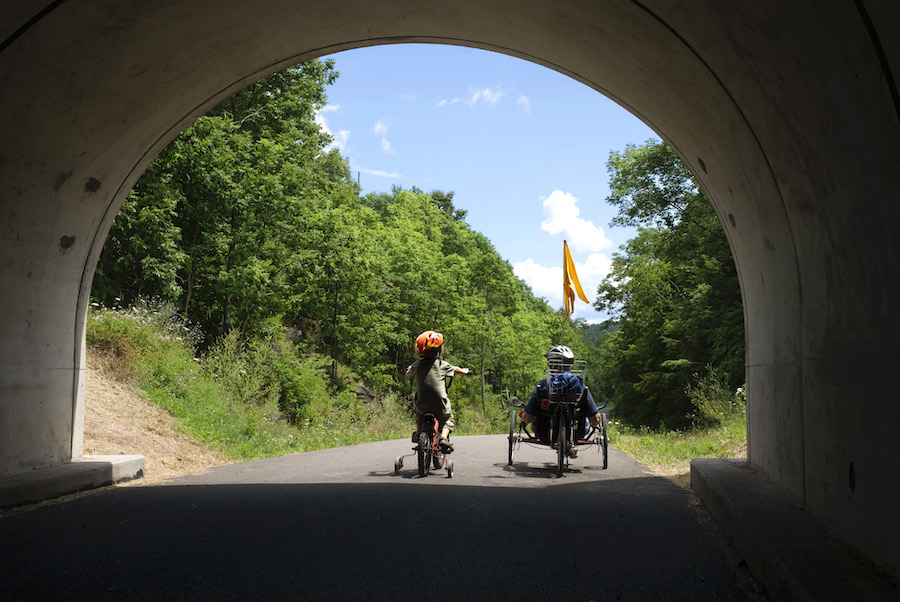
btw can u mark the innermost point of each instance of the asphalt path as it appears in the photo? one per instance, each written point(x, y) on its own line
point(339, 524)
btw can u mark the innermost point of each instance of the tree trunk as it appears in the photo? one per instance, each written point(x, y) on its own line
point(483, 362)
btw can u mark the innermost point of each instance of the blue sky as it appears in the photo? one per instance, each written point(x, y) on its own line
point(523, 148)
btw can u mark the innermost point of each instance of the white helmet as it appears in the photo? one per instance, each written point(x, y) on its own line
point(560, 358)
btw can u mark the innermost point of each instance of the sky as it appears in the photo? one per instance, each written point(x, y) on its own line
point(522, 147)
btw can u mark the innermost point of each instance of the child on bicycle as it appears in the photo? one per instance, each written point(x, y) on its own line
point(430, 372)
point(560, 360)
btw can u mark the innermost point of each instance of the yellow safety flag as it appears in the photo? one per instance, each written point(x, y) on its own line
point(570, 278)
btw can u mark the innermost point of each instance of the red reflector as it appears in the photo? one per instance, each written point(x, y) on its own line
point(545, 404)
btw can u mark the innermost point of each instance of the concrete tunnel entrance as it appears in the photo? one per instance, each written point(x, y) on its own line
point(788, 115)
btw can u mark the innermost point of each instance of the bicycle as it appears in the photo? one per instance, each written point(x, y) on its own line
point(428, 449)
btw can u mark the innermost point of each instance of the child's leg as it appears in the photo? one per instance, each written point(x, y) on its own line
point(447, 427)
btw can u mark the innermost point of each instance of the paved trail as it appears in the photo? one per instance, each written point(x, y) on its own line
point(340, 525)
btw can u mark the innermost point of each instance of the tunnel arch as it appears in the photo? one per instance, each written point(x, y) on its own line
point(788, 116)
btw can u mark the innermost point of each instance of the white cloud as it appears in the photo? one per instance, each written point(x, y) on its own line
point(485, 95)
point(561, 217)
point(547, 281)
point(488, 96)
point(544, 281)
point(379, 173)
point(339, 139)
point(381, 128)
point(524, 104)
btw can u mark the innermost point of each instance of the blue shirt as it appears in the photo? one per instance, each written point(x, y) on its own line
point(565, 383)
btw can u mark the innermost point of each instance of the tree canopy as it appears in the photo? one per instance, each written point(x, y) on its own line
point(673, 291)
point(247, 222)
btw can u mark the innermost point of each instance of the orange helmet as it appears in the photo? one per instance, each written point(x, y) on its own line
point(428, 340)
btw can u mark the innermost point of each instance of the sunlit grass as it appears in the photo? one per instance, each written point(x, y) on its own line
point(148, 349)
point(671, 452)
point(153, 352)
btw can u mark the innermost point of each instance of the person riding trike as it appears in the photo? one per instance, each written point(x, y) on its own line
point(561, 412)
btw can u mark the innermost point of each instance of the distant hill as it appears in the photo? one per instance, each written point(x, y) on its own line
point(595, 333)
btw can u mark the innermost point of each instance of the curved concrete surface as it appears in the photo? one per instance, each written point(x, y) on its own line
point(786, 112)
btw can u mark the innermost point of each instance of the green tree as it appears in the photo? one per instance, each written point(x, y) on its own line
point(673, 291)
point(238, 184)
point(251, 226)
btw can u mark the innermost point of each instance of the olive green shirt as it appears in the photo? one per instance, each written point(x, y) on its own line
point(430, 375)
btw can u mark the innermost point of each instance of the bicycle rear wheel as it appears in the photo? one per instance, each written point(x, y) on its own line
point(425, 452)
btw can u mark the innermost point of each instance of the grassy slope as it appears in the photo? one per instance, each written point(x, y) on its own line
point(145, 349)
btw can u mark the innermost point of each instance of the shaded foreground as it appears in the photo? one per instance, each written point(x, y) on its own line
point(338, 524)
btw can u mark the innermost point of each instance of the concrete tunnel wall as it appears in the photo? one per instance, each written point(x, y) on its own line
point(788, 114)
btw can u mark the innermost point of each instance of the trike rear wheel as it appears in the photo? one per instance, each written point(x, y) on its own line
point(561, 446)
point(604, 442)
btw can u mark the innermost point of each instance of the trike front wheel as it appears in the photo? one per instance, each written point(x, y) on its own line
point(561, 446)
point(513, 438)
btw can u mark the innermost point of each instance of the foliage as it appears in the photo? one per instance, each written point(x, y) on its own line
point(714, 401)
point(215, 404)
point(673, 292)
point(672, 450)
point(252, 228)
point(132, 338)
point(212, 225)
point(249, 225)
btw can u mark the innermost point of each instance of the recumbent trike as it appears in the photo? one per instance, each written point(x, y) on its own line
point(563, 411)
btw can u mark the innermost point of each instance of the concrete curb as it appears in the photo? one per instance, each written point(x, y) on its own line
point(48, 483)
point(790, 553)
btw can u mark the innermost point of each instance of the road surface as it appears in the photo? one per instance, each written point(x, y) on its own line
point(338, 524)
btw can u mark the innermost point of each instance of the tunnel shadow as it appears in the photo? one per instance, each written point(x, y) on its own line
point(633, 538)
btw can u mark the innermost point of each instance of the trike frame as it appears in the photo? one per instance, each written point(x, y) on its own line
point(563, 414)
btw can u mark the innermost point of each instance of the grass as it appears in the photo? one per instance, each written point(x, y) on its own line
point(671, 452)
point(236, 414)
point(151, 351)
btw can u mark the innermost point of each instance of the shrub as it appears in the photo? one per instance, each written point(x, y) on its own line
point(303, 386)
point(713, 399)
point(245, 370)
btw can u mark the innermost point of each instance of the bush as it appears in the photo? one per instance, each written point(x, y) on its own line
point(304, 386)
point(250, 399)
point(713, 399)
point(244, 370)
point(131, 339)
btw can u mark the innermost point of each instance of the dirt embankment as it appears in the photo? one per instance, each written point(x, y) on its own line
point(119, 421)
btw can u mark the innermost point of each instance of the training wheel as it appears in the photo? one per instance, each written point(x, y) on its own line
point(398, 464)
point(449, 469)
